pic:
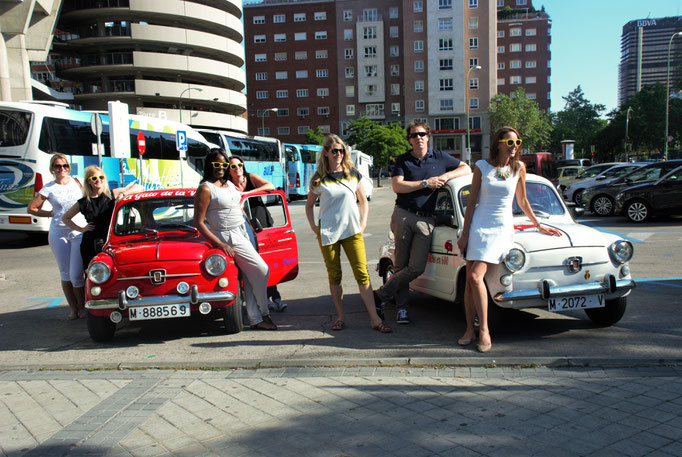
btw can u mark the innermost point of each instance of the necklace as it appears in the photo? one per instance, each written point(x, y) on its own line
point(503, 175)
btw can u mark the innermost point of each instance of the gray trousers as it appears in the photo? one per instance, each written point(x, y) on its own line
point(254, 271)
point(412, 238)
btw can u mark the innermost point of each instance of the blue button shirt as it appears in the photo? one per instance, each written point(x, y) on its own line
point(435, 163)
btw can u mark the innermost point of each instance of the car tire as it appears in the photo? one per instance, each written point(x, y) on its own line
point(602, 205)
point(609, 314)
point(637, 211)
point(100, 328)
point(233, 321)
point(496, 315)
point(578, 197)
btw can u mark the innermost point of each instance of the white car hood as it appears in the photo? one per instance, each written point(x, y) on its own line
point(575, 235)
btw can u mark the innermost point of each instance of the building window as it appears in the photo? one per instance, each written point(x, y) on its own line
point(301, 55)
point(323, 111)
point(500, 49)
point(473, 103)
point(261, 94)
point(531, 32)
point(445, 23)
point(446, 64)
point(531, 79)
point(300, 36)
point(281, 75)
point(515, 47)
point(419, 106)
point(260, 57)
point(473, 62)
point(418, 26)
point(444, 4)
point(323, 92)
point(370, 51)
point(500, 66)
point(261, 76)
point(321, 54)
point(395, 70)
point(500, 34)
point(515, 32)
point(514, 64)
point(280, 37)
point(282, 93)
point(395, 89)
point(303, 129)
point(259, 19)
point(473, 3)
point(473, 83)
point(473, 43)
point(394, 51)
point(475, 122)
point(301, 74)
point(500, 3)
point(521, 2)
point(394, 31)
point(259, 38)
point(531, 47)
point(350, 110)
point(374, 109)
point(370, 15)
point(321, 35)
point(320, 16)
point(370, 71)
point(282, 130)
point(350, 72)
point(446, 123)
point(322, 73)
point(348, 53)
point(473, 23)
point(419, 46)
point(350, 91)
point(419, 86)
point(303, 112)
point(264, 131)
point(280, 56)
point(531, 96)
point(447, 105)
point(301, 93)
point(418, 66)
point(393, 12)
point(347, 15)
point(299, 17)
point(445, 84)
point(278, 18)
point(500, 81)
point(531, 64)
point(417, 6)
point(348, 34)
point(515, 80)
point(281, 112)
point(369, 33)
point(395, 108)
point(445, 44)
point(370, 89)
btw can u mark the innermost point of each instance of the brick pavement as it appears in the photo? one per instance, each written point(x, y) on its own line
point(343, 412)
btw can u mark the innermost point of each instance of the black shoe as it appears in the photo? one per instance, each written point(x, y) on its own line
point(402, 317)
point(379, 304)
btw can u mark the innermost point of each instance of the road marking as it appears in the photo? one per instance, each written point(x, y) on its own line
point(601, 229)
point(641, 235)
point(659, 281)
point(48, 302)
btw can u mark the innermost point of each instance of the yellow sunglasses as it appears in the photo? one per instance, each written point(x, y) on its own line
point(223, 165)
point(510, 142)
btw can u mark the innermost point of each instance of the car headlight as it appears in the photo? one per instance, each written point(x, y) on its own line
point(216, 264)
point(621, 251)
point(515, 260)
point(99, 272)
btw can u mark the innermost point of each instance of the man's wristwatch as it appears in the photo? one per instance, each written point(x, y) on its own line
point(424, 183)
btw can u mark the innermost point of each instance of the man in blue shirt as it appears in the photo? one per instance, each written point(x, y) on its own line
point(417, 175)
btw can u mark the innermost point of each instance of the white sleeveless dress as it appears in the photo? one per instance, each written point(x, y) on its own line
point(491, 233)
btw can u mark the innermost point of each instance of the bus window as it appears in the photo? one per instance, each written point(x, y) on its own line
point(214, 138)
point(292, 156)
point(14, 127)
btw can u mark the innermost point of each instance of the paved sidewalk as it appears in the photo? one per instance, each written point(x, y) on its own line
point(343, 412)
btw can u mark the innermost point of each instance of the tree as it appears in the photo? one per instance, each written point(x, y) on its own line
point(578, 121)
point(524, 115)
point(314, 136)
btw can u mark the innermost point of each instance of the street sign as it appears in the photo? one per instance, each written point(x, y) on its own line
point(96, 124)
point(141, 143)
point(181, 142)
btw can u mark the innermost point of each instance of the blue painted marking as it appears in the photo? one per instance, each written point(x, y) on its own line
point(48, 302)
point(668, 255)
point(601, 229)
point(662, 284)
point(657, 279)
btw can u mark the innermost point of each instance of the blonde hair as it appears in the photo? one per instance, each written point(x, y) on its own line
point(93, 170)
point(58, 156)
point(323, 163)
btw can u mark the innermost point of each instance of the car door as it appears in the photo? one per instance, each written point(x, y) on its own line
point(268, 214)
point(667, 194)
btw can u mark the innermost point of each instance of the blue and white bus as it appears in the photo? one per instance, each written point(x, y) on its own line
point(301, 165)
point(31, 131)
point(263, 156)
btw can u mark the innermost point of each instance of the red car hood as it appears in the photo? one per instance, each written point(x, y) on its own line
point(158, 250)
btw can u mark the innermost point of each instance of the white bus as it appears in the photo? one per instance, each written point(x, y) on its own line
point(31, 131)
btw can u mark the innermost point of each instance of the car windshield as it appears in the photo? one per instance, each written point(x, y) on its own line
point(591, 172)
point(155, 215)
point(541, 197)
point(617, 171)
point(645, 174)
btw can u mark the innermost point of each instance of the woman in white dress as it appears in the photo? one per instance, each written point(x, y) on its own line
point(488, 231)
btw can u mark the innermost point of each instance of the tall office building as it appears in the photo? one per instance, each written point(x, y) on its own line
point(644, 54)
point(180, 60)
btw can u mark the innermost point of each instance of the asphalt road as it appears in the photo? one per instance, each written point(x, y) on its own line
point(34, 332)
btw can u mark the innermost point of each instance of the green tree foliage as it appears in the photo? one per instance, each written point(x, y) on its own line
point(314, 136)
point(524, 115)
point(579, 121)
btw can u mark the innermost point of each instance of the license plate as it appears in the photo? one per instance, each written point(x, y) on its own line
point(140, 313)
point(559, 304)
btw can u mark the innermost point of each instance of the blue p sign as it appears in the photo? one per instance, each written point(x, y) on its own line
point(181, 140)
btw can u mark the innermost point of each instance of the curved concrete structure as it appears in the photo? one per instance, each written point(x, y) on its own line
point(177, 59)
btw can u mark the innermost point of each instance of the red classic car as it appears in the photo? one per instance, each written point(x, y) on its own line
point(156, 265)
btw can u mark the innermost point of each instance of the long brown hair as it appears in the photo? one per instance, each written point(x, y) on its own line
point(495, 148)
point(323, 164)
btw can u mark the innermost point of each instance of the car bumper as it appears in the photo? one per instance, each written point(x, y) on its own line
point(545, 291)
point(122, 302)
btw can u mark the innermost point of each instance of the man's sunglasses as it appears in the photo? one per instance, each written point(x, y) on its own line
point(336, 151)
point(59, 166)
point(95, 178)
point(234, 166)
point(511, 142)
point(223, 165)
point(416, 134)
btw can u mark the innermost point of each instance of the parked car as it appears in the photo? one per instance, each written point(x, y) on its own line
point(601, 199)
point(584, 269)
point(661, 197)
point(156, 265)
point(573, 162)
point(568, 175)
point(541, 164)
point(574, 192)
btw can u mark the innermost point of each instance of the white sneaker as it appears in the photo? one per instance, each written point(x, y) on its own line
point(279, 305)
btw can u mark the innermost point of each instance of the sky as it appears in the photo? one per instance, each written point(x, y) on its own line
point(586, 43)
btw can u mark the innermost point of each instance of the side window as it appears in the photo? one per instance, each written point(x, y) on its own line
point(675, 176)
point(444, 204)
point(464, 198)
point(265, 211)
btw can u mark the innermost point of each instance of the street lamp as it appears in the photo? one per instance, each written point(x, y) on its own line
point(667, 95)
point(466, 101)
point(199, 89)
point(627, 123)
point(262, 118)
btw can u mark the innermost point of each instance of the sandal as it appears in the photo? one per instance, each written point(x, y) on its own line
point(338, 325)
point(72, 317)
point(381, 328)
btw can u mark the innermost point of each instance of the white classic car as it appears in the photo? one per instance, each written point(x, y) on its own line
point(582, 269)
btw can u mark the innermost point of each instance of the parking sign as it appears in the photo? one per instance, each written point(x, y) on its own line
point(181, 142)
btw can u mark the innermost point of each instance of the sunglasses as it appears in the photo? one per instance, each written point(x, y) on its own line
point(511, 142)
point(337, 151)
point(417, 134)
point(58, 166)
point(234, 166)
point(95, 178)
point(223, 165)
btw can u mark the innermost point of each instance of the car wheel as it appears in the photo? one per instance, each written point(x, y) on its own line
point(602, 205)
point(578, 197)
point(233, 321)
point(609, 314)
point(637, 211)
point(100, 328)
point(388, 272)
point(496, 315)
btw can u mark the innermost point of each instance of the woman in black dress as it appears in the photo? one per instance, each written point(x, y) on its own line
point(97, 205)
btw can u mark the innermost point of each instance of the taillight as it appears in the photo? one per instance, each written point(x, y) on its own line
point(37, 185)
point(298, 179)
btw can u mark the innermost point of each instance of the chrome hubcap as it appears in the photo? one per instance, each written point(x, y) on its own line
point(603, 206)
point(637, 212)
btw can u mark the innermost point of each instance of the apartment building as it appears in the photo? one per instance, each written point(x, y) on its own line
point(523, 50)
point(644, 47)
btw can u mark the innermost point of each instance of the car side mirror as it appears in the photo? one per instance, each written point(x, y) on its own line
point(446, 219)
point(577, 211)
